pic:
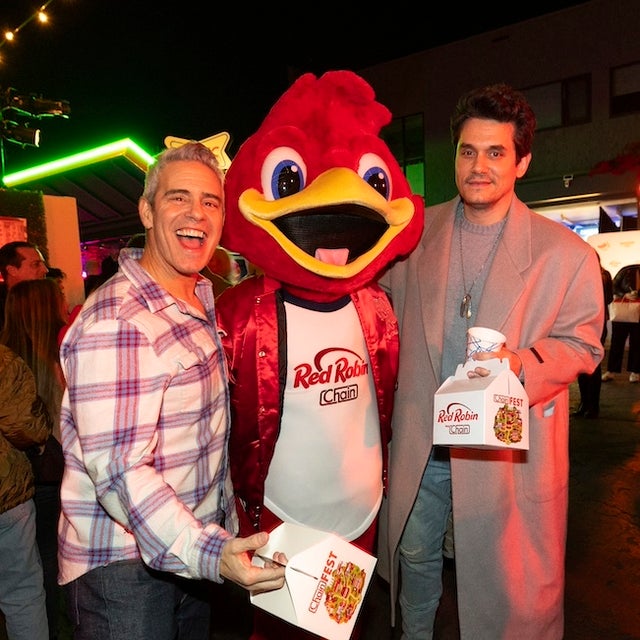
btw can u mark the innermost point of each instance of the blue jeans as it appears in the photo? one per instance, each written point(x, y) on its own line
point(421, 549)
point(127, 600)
point(620, 331)
point(22, 598)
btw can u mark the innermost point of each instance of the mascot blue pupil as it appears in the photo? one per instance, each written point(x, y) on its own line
point(286, 180)
point(377, 178)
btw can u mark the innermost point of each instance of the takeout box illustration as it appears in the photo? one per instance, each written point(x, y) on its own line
point(326, 579)
point(488, 413)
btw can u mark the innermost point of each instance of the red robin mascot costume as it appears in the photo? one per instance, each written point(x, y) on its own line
point(316, 201)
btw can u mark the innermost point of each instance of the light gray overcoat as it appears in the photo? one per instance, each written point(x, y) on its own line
point(544, 292)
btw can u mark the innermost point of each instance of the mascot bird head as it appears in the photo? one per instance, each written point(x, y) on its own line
point(314, 198)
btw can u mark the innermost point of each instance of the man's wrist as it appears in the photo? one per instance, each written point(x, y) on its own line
point(516, 366)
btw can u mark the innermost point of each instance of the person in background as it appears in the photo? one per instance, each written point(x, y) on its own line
point(57, 274)
point(590, 384)
point(137, 240)
point(626, 286)
point(486, 259)
point(19, 260)
point(148, 513)
point(34, 316)
point(24, 424)
point(109, 266)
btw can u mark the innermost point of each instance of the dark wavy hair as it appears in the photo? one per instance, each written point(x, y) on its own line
point(9, 255)
point(502, 103)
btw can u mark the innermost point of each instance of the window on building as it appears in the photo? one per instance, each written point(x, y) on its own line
point(405, 138)
point(625, 89)
point(561, 104)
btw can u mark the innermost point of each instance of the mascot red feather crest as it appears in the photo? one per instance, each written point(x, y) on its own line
point(317, 202)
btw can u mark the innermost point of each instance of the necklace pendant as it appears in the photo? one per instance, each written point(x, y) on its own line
point(465, 306)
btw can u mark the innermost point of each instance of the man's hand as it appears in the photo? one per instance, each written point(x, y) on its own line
point(235, 565)
point(480, 372)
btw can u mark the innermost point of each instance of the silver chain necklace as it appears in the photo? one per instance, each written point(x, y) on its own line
point(466, 310)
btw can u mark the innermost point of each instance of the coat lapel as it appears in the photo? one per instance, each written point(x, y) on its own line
point(432, 272)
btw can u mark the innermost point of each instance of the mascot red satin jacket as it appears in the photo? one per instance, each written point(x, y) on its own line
point(317, 202)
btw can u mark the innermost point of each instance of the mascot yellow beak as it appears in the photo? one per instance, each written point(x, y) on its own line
point(304, 224)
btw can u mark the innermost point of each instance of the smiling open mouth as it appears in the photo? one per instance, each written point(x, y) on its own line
point(192, 236)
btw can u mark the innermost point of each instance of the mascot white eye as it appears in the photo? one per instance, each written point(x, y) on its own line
point(373, 170)
point(283, 174)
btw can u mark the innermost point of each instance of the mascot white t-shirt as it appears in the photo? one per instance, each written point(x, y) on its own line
point(328, 370)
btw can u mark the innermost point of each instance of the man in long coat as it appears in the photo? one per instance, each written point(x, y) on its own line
point(539, 284)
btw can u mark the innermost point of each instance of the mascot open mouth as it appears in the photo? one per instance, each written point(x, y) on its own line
point(323, 231)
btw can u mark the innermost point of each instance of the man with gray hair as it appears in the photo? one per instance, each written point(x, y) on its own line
point(148, 514)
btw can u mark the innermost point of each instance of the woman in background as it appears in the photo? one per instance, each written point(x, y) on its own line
point(35, 313)
point(590, 384)
point(626, 285)
point(24, 423)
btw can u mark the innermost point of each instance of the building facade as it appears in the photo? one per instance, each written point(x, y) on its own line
point(580, 69)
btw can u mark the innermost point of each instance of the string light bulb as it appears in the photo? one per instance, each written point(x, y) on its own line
point(41, 16)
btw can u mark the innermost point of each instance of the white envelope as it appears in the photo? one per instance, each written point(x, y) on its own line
point(326, 580)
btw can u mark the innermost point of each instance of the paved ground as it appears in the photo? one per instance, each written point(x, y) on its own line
point(603, 548)
point(603, 551)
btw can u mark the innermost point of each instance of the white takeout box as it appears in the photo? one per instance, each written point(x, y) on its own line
point(326, 580)
point(488, 413)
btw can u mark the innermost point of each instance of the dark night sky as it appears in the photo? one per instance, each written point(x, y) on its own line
point(135, 69)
